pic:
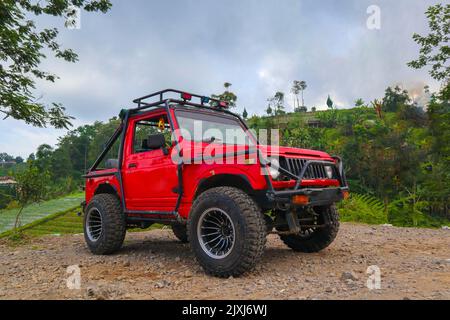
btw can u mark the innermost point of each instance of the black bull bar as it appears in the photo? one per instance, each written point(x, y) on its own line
point(317, 196)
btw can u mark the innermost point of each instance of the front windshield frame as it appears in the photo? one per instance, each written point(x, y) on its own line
point(250, 139)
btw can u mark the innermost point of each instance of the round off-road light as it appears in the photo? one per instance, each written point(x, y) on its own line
point(329, 172)
point(273, 169)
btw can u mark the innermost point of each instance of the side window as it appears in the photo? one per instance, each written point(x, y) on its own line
point(144, 128)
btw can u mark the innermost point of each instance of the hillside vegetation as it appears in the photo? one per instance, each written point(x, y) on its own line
point(37, 211)
point(396, 155)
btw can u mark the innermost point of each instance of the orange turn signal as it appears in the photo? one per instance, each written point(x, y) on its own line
point(346, 194)
point(300, 199)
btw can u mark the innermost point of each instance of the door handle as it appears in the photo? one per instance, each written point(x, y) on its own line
point(132, 165)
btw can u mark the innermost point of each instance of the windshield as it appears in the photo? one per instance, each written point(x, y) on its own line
point(202, 127)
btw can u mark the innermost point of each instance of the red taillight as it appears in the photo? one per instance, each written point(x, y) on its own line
point(186, 96)
point(223, 104)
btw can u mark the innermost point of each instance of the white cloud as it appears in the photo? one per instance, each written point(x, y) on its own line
point(18, 139)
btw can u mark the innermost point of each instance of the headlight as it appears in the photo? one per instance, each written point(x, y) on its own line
point(273, 169)
point(329, 172)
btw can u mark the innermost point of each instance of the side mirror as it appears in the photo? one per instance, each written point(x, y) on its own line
point(112, 164)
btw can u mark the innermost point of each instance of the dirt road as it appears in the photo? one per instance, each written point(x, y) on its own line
point(414, 264)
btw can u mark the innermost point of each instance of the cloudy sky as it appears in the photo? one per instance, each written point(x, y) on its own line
point(142, 46)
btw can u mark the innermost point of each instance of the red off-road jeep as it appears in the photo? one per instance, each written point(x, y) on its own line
point(173, 166)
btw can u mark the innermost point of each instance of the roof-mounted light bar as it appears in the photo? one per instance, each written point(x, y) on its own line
point(164, 95)
point(223, 104)
point(186, 96)
point(205, 100)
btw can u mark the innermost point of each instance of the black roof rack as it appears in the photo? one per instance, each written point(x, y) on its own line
point(163, 95)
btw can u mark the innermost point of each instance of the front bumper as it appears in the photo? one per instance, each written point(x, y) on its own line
point(314, 196)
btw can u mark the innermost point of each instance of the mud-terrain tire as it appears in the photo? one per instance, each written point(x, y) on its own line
point(245, 223)
point(104, 210)
point(180, 231)
point(320, 238)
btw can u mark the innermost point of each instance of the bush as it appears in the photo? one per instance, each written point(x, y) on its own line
point(6, 195)
point(363, 208)
point(403, 212)
point(409, 212)
point(13, 205)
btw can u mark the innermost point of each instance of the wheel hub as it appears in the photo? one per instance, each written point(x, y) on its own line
point(216, 233)
point(94, 225)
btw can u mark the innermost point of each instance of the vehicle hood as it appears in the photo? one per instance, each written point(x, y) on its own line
point(289, 152)
point(293, 152)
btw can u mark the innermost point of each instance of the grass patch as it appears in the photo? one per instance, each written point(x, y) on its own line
point(67, 223)
point(38, 211)
point(61, 224)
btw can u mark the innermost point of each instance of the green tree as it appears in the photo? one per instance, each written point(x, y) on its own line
point(297, 88)
point(31, 187)
point(43, 155)
point(5, 157)
point(394, 99)
point(303, 87)
point(19, 160)
point(435, 52)
point(277, 102)
point(329, 102)
point(76, 144)
point(227, 95)
point(23, 48)
point(359, 102)
point(434, 47)
point(245, 114)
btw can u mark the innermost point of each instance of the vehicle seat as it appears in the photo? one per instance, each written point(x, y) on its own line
point(144, 146)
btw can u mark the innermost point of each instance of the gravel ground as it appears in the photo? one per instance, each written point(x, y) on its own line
point(414, 264)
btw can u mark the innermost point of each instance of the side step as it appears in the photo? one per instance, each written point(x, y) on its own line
point(151, 216)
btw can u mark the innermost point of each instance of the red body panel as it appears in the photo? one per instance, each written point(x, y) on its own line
point(150, 178)
point(93, 183)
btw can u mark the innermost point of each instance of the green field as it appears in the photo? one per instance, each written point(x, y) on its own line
point(39, 211)
point(68, 223)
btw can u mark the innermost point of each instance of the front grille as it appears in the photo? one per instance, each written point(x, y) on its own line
point(294, 165)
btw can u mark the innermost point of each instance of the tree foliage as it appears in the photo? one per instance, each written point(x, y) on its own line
point(276, 104)
point(391, 157)
point(394, 99)
point(245, 114)
point(31, 187)
point(434, 47)
point(23, 47)
point(298, 86)
point(329, 102)
point(227, 95)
